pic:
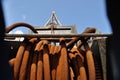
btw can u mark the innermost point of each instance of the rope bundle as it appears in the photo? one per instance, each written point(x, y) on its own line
point(42, 60)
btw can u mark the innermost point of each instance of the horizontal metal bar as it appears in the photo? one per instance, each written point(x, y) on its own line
point(49, 39)
point(56, 39)
point(54, 28)
point(57, 35)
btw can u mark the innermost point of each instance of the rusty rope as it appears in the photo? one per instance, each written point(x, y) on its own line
point(9, 28)
point(42, 60)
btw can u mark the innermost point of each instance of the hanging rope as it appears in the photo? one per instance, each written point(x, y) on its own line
point(41, 60)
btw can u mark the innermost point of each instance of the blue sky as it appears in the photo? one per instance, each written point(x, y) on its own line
point(82, 13)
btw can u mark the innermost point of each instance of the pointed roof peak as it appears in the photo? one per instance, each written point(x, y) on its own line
point(53, 20)
point(53, 12)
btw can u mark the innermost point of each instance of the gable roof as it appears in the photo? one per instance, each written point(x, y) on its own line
point(53, 20)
